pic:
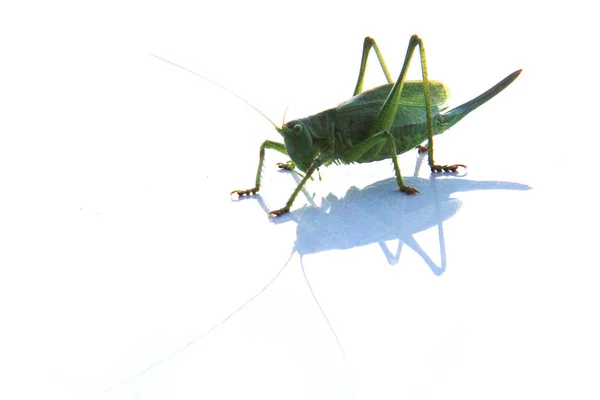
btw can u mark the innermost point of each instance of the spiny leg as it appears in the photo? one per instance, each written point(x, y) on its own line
point(432, 165)
point(367, 45)
point(267, 144)
point(387, 113)
point(315, 165)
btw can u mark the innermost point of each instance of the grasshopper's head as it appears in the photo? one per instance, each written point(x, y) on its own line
point(298, 140)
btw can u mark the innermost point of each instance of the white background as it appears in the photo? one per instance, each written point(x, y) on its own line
point(120, 244)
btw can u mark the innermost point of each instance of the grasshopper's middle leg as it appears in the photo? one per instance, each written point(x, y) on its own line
point(267, 144)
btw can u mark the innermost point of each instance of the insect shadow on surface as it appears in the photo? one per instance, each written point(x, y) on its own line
point(360, 218)
point(375, 215)
point(373, 125)
point(363, 217)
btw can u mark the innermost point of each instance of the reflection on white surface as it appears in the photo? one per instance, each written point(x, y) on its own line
point(373, 215)
point(376, 215)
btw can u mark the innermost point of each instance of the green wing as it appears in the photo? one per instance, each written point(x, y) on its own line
point(412, 95)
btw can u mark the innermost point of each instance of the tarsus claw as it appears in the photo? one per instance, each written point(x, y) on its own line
point(247, 192)
point(447, 168)
point(277, 213)
point(408, 190)
point(285, 166)
point(422, 149)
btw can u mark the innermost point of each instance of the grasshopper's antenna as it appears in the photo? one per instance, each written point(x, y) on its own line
point(220, 86)
point(284, 114)
point(314, 296)
point(199, 337)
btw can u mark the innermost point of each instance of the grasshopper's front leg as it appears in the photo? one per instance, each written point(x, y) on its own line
point(267, 144)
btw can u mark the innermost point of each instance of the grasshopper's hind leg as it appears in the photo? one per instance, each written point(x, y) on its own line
point(387, 113)
point(439, 168)
point(367, 45)
point(267, 144)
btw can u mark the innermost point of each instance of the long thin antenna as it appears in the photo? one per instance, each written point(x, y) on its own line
point(220, 86)
point(199, 337)
point(314, 296)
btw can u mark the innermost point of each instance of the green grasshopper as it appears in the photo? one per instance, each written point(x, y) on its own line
point(373, 125)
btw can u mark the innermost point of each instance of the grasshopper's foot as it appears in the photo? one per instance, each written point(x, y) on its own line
point(422, 149)
point(277, 213)
point(447, 168)
point(408, 190)
point(248, 192)
point(288, 166)
point(291, 166)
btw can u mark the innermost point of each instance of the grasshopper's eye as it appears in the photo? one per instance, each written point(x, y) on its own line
point(297, 128)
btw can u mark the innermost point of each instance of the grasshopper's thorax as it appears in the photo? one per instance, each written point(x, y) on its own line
point(306, 138)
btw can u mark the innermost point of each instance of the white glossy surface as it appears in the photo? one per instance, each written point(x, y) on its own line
point(120, 244)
